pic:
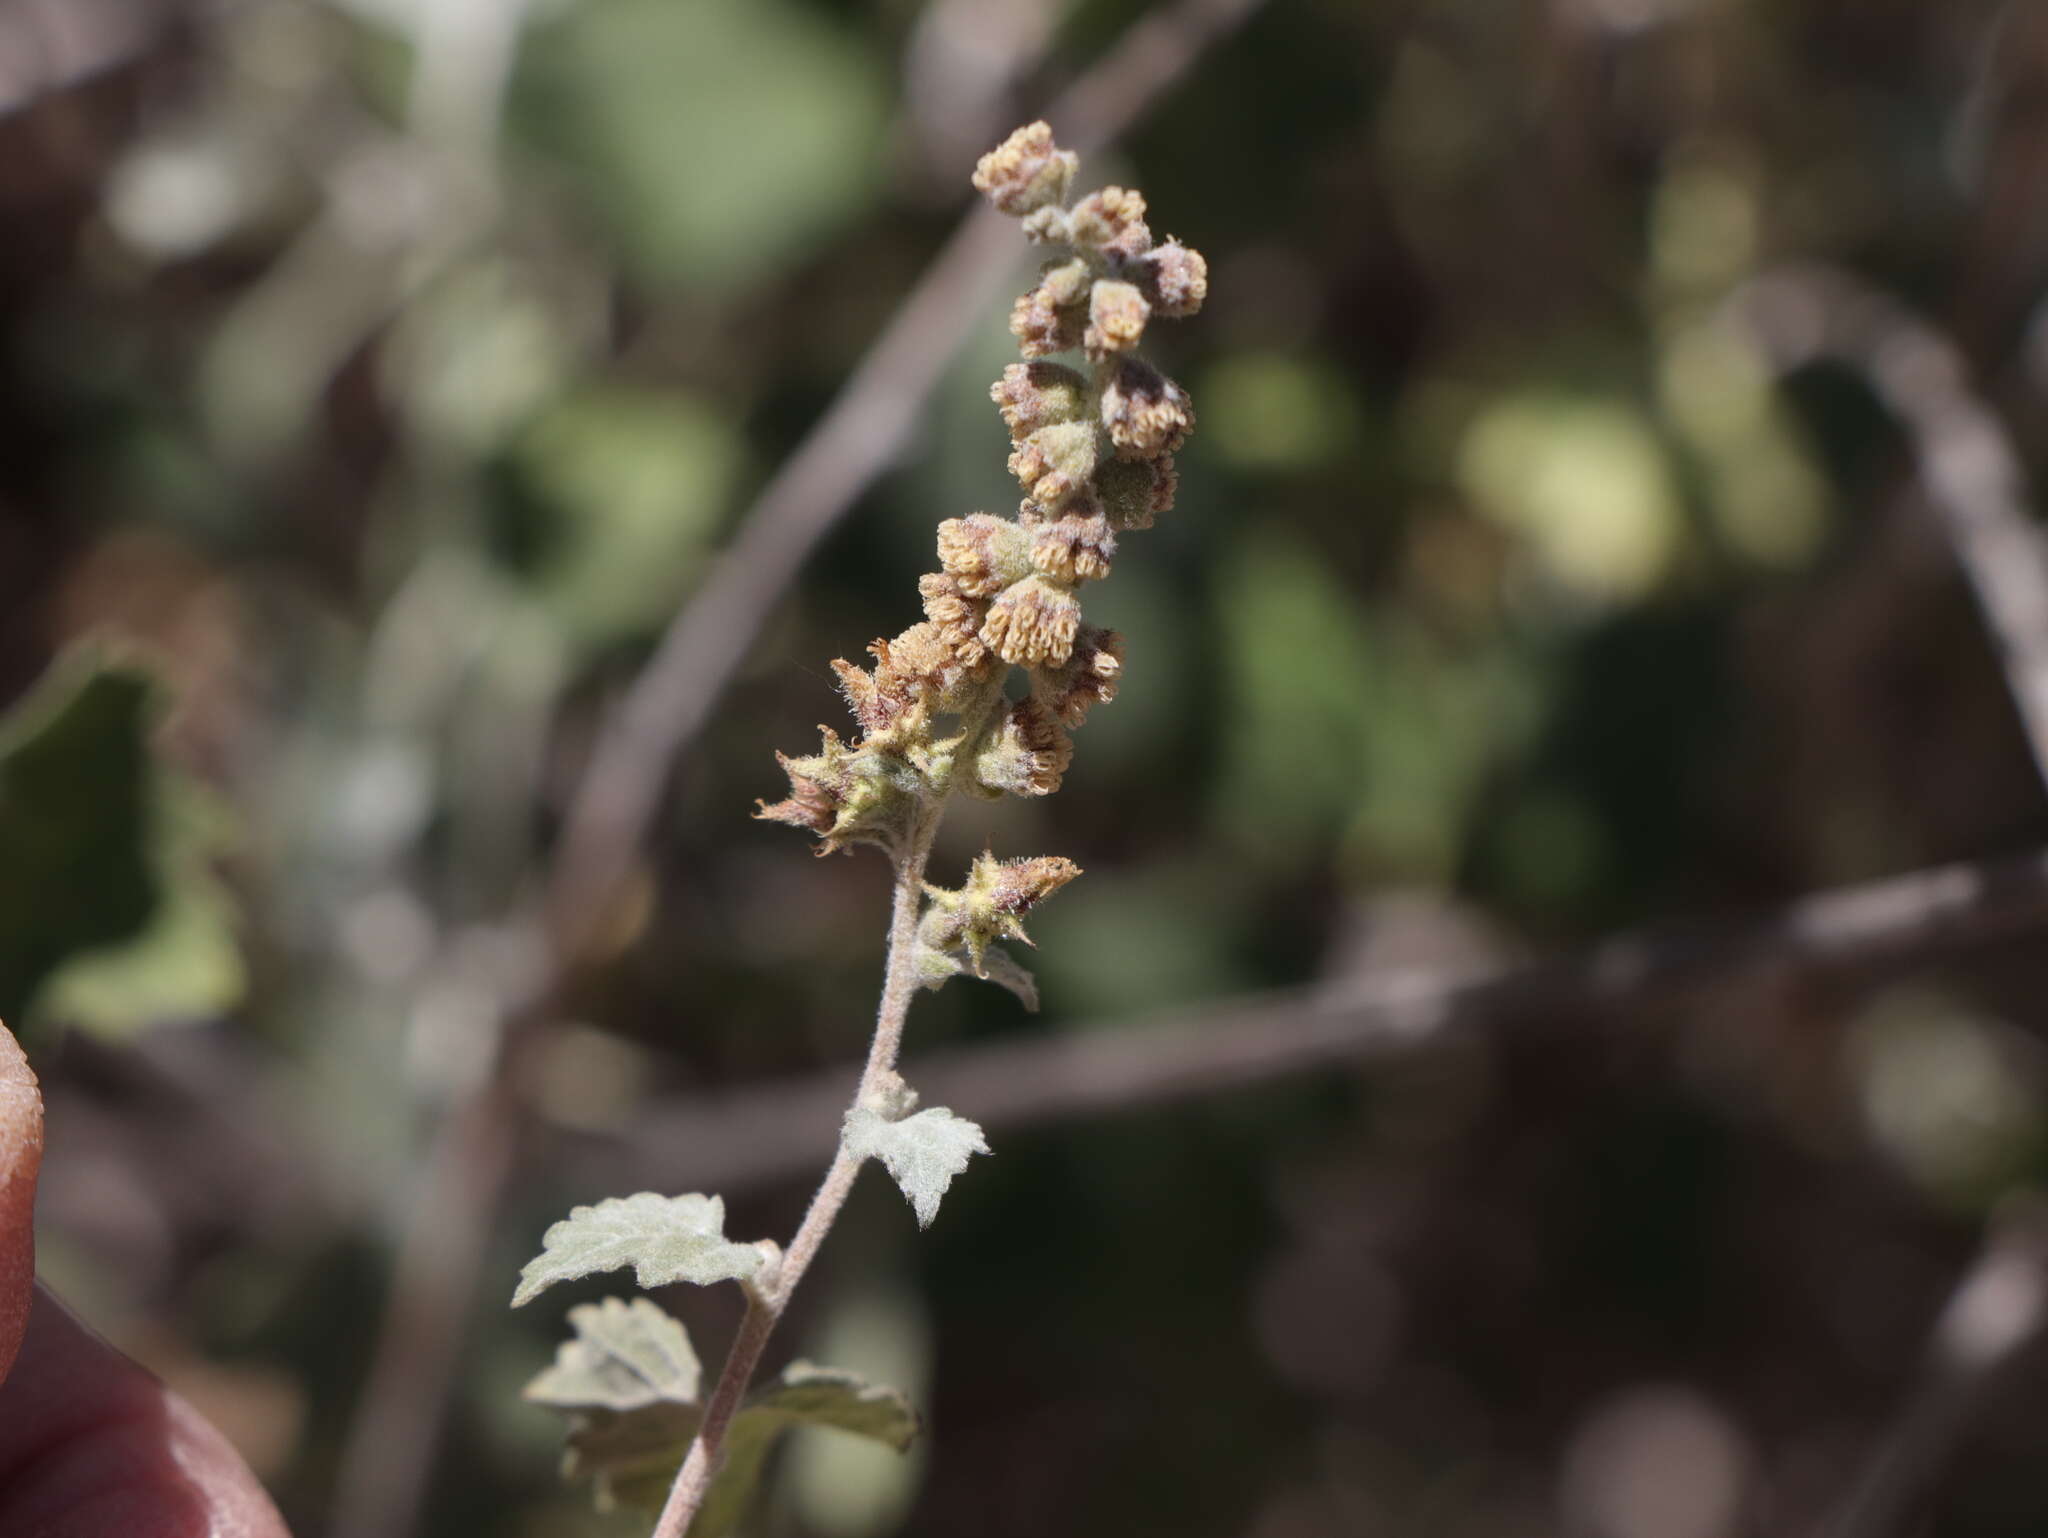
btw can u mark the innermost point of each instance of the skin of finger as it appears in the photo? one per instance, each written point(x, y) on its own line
point(21, 1155)
point(91, 1446)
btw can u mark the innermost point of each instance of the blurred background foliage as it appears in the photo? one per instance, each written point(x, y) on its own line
point(379, 376)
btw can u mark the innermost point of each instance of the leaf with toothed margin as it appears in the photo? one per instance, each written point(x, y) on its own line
point(631, 1456)
point(922, 1153)
point(663, 1238)
point(625, 1356)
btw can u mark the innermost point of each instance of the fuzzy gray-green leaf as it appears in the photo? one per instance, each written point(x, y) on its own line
point(625, 1355)
point(632, 1456)
point(922, 1153)
point(663, 1238)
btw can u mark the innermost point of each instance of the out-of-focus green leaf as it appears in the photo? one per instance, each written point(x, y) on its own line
point(625, 1355)
point(631, 1456)
point(110, 915)
point(186, 962)
point(612, 497)
point(719, 139)
point(663, 1238)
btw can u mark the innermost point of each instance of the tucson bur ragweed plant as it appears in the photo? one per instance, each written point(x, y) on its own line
point(979, 697)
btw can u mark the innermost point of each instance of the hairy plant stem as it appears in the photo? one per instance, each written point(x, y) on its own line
point(766, 1302)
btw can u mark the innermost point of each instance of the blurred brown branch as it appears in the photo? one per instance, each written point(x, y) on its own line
point(1895, 925)
point(1961, 452)
point(1997, 1310)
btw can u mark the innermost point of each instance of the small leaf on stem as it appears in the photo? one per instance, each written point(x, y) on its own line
point(663, 1238)
point(922, 1153)
point(625, 1355)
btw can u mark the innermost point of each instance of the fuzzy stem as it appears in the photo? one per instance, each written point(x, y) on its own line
point(764, 1308)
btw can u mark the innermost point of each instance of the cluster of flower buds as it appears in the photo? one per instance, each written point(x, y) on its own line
point(1093, 452)
point(958, 927)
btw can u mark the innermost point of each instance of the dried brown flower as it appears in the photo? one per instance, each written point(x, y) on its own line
point(984, 555)
point(1088, 678)
point(1076, 548)
point(1032, 622)
point(1111, 221)
point(1145, 413)
point(1035, 395)
point(1174, 278)
point(1117, 313)
point(1026, 172)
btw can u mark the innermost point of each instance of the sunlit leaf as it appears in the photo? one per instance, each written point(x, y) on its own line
point(922, 1153)
point(663, 1238)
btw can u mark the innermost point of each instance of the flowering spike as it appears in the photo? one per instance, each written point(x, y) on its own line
point(1093, 453)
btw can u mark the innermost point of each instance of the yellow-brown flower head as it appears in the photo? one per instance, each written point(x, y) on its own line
point(1145, 413)
point(1076, 548)
point(1111, 221)
point(1026, 753)
point(1035, 395)
point(1051, 317)
point(1174, 278)
point(1135, 491)
point(1026, 172)
point(957, 615)
point(1032, 622)
point(991, 906)
point(1117, 313)
point(1088, 678)
point(1055, 464)
point(984, 555)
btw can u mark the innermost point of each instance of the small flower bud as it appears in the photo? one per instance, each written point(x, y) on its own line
point(1117, 313)
point(1054, 464)
point(1026, 171)
point(1050, 317)
point(1076, 548)
point(1174, 278)
point(1135, 491)
point(1111, 221)
point(984, 555)
point(957, 615)
point(1048, 227)
point(846, 795)
point(991, 905)
point(1042, 327)
point(1145, 413)
point(1026, 752)
point(1088, 678)
point(1032, 622)
point(1035, 395)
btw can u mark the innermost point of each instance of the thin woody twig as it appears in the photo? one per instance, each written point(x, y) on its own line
point(1894, 925)
point(1960, 449)
point(1997, 1310)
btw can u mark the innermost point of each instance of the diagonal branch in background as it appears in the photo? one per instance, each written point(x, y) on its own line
point(1961, 452)
point(759, 1136)
point(1995, 1314)
point(859, 436)
point(397, 1420)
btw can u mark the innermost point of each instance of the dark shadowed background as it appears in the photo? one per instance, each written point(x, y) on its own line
point(384, 376)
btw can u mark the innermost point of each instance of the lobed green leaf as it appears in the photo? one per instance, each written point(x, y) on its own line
point(663, 1238)
point(922, 1153)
